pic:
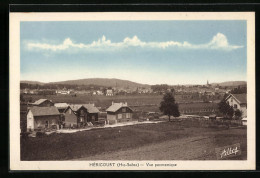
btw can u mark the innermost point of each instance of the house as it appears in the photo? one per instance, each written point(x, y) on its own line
point(109, 93)
point(42, 103)
point(238, 101)
point(119, 112)
point(79, 115)
point(63, 92)
point(42, 117)
point(61, 106)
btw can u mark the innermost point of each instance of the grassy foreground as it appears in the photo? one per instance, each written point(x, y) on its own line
point(96, 142)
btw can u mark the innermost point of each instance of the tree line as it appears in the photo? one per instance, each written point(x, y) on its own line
point(60, 86)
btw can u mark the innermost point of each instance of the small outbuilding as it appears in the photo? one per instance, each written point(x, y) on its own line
point(42, 118)
point(244, 121)
point(119, 112)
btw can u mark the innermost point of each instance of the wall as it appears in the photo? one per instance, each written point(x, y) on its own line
point(70, 117)
point(93, 117)
point(243, 108)
point(30, 121)
point(40, 121)
point(126, 118)
point(232, 102)
point(111, 118)
point(124, 114)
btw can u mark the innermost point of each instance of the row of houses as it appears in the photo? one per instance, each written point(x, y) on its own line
point(44, 114)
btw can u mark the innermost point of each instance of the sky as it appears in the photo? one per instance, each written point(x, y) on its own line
point(149, 52)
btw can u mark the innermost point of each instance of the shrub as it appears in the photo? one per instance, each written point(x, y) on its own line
point(40, 134)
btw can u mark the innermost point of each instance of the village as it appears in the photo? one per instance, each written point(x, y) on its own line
point(90, 129)
point(43, 115)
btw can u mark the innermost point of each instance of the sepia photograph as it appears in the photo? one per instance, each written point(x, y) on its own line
point(132, 91)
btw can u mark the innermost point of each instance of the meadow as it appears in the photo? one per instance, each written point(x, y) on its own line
point(165, 140)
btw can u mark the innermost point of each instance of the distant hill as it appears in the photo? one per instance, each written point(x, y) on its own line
point(103, 82)
point(112, 82)
point(230, 83)
point(32, 82)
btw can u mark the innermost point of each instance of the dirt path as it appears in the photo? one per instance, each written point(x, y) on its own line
point(192, 148)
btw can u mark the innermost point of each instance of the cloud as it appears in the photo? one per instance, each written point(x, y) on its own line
point(218, 42)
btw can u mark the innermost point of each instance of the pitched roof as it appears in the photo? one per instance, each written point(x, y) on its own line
point(90, 107)
point(61, 105)
point(44, 111)
point(39, 101)
point(75, 107)
point(241, 98)
point(116, 106)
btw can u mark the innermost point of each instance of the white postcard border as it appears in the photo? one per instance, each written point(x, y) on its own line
point(14, 84)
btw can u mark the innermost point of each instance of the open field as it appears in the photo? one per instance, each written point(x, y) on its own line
point(100, 101)
point(147, 103)
point(166, 140)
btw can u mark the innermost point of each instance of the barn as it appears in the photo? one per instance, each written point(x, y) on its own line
point(79, 115)
point(119, 112)
point(42, 118)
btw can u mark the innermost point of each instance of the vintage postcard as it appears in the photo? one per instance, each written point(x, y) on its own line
point(132, 91)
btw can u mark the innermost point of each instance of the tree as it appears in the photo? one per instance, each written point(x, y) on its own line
point(168, 106)
point(230, 112)
point(238, 113)
point(226, 109)
point(239, 90)
point(22, 98)
point(172, 90)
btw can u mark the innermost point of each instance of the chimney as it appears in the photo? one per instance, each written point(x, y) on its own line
point(112, 102)
point(126, 103)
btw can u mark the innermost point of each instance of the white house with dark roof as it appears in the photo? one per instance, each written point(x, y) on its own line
point(238, 101)
point(42, 117)
point(119, 112)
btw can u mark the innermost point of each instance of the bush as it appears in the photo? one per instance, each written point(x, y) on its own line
point(40, 134)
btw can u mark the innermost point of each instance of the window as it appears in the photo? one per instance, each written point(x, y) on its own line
point(119, 116)
point(128, 115)
point(123, 109)
point(235, 106)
